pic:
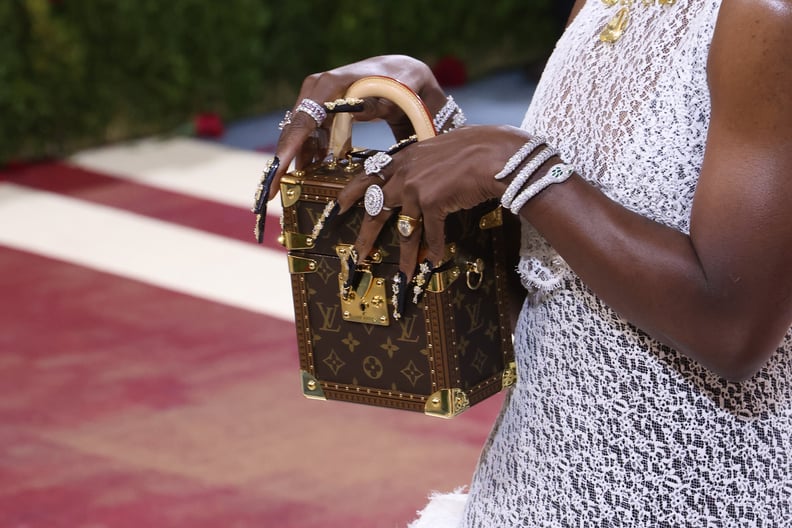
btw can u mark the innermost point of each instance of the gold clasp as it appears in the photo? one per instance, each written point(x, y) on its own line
point(368, 302)
point(474, 276)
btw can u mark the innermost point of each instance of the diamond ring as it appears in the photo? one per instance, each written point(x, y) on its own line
point(374, 200)
point(406, 225)
point(376, 163)
point(313, 109)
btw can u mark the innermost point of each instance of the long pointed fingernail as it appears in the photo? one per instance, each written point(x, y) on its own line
point(399, 298)
point(262, 197)
point(263, 190)
point(330, 212)
point(421, 280)
point(258, 229)
point(349, 104)
point(402, 144)
point(354, 273)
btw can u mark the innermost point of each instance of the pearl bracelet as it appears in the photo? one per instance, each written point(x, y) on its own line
point(522, 177)
point(557, 174)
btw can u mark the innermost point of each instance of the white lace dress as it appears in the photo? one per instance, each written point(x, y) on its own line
point(607, 427)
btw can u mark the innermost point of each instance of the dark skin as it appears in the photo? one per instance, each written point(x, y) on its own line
point(721, 295)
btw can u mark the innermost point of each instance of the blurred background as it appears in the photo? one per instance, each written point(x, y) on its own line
point(148, 362)
point(83, 72)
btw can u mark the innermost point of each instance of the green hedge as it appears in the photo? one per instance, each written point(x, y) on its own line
point(82, 72)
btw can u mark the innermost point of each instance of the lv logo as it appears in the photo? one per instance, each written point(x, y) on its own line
point(474, 311)
point(329, 315)
point(407, 329)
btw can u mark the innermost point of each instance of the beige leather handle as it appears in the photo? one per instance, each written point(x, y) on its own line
point(387, 88)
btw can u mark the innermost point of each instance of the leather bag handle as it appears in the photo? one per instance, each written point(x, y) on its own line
point(388, 88)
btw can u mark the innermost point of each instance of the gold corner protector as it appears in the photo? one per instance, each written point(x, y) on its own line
point(312, 389)
point(299, 265)
point(447, 403)
point(442, 280)
point(291, 240)
point(290, 191)
point(509, 375)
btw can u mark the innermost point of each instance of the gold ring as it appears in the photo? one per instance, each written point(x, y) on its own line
point(407, 224)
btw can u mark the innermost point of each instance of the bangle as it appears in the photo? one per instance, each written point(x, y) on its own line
point(445, 113)
point(519, 157)
point(313, 109)
point(530, 168)
point(557, 174)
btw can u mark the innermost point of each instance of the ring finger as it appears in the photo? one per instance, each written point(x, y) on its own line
point(379, 201)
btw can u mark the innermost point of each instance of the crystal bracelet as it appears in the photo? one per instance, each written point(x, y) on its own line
point(519, 157)
point(557, 174)
point(445, 113)
point(522, 177)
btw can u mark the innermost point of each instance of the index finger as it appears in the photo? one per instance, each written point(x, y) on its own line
point(291, 144)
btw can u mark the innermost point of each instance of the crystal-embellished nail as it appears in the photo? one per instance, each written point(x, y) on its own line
point(349, 104)
point(402, 144)
point(399, 297)
point(330, 212)
point(354, 273)
point(262, 197)
point(421, 280)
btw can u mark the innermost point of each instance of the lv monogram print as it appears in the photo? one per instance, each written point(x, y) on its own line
point(359, 354)
point(397, 358)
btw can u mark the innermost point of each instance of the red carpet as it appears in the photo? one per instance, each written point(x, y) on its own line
point(126, 404)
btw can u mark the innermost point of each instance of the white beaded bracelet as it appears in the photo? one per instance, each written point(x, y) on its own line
point(518, 157)
point(557, 174)
point(530, 168)
point(446, 112)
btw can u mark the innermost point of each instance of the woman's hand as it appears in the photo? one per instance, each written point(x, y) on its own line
point(303, 140)
point(430, 180)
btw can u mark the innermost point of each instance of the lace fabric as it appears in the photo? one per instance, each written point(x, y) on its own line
point(605, 426)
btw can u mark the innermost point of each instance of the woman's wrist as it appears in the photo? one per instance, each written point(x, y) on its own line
point(526, 169)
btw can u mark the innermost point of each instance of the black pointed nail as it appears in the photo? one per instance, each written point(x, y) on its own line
point(354, 273)
point(262, 197)
point(402, 144)
point(332, 214)
point(344, 105)
point(399, 297)
point(327, 216)
point(348, 268)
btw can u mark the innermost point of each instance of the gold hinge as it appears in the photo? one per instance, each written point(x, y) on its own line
point(368, 302)
point(291, 240)
point(492, 219)
point(301, 265)
point(290, 191)
point(442, 280)
point(447, 403)
point(311, 387)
